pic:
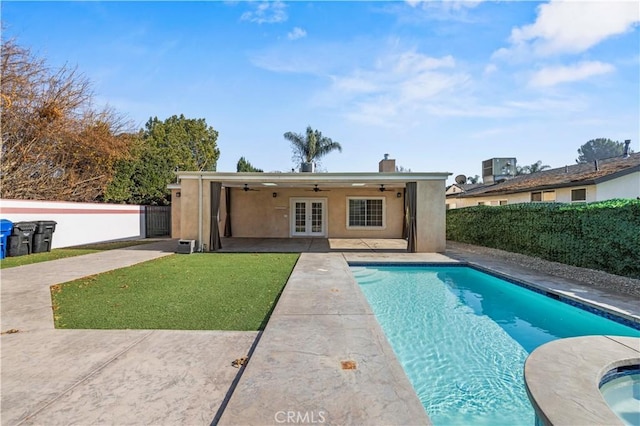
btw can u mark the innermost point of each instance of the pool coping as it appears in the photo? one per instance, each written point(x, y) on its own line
point(562, 378)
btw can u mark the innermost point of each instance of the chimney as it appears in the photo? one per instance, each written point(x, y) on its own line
point(625, 154)
point(595, 163)
point(386, 165)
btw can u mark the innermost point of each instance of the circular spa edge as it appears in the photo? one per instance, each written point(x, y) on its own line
point(562, 378)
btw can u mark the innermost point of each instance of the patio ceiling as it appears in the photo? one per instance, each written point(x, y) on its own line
point(309, 180)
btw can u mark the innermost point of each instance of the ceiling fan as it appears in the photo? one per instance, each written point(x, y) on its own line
point(246, 188)
point(316, 189)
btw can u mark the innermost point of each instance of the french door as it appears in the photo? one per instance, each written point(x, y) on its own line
point(308, 217)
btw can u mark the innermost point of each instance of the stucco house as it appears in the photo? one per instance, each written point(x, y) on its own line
point(617, 177)
point(209, 205)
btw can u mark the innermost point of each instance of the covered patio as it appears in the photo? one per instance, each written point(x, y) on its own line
point(311, 212)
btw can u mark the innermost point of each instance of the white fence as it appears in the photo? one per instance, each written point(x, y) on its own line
point(79, 223)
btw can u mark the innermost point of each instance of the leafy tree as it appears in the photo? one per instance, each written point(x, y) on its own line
point(245, 166)
point(312, 146)
point(599, 149)
point(533, 168)
point(177, 143)
point(55, 144)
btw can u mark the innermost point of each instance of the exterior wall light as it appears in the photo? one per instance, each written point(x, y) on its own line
point(274, 195)
point(399, 195)
point(178, 194)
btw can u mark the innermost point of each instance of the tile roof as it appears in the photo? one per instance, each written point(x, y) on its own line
point(567, 176)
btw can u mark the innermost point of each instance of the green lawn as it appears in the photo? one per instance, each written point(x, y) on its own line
point(202, 291)
point(60, 253)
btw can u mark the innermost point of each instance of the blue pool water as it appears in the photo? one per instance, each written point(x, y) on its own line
point(462, 337)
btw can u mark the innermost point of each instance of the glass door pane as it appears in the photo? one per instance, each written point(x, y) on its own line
point(300, 217)
point(316, 217)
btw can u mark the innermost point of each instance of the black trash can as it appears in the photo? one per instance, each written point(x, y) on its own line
point(21, 239)
point(43, 236)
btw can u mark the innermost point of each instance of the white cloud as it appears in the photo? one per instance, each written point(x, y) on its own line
point(396, 88)
point(296, 33)
point(550, 76)
point(571, 27)
point(490, 69)
point(445, 4)
point(266, 12)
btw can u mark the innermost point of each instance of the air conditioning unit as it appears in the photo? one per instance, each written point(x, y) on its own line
point(496, 169)
point(186, 246)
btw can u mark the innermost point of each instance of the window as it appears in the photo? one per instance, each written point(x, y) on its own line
point(546, 196)
point(578, 195)
point(503, 202)
point(482, 203)
point(365, 212)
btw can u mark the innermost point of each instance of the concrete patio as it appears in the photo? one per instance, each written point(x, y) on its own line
point(313, 245)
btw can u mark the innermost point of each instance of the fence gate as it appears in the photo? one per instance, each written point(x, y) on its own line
point(157, 221)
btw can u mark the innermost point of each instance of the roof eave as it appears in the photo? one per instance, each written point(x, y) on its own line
point(368, 177)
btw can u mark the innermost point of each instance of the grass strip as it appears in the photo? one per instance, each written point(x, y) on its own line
point(61, 253)
point(202, 291)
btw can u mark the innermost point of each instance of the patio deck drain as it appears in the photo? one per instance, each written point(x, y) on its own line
point(348, 365)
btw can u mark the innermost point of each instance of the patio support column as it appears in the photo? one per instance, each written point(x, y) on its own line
point(410, 216)
point(430, 216)
point(214, 236)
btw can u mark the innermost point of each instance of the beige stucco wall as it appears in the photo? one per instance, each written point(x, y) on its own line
point(258, 214)
point(175, 212)
point(430, 217)
point(189, 209)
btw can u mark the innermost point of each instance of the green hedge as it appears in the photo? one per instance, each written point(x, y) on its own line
point(603, 235)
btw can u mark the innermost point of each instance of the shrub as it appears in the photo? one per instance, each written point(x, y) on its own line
point(603, 235)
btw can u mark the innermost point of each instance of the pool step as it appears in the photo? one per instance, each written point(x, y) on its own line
point(366, 275)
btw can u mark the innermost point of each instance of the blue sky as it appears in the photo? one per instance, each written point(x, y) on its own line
point(440, 86)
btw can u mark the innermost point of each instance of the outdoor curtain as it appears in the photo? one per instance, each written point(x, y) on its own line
point(410, 204)
point(227, 221)
point(405, 222)
point(214, 236)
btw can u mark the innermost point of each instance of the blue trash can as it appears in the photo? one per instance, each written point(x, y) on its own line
point(6, 226)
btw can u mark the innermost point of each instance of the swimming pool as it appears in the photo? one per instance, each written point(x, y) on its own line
point(621, 389)
point(462, 337)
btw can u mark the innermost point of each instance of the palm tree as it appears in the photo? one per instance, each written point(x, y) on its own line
point(538, 167)
point(312, 146)
point(533, 168)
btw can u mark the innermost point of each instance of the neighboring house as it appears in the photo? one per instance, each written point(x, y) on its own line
point(617, 177)
point(459, 188)
point(384, 205)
